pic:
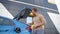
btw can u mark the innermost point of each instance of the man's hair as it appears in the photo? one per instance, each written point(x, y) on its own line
point(35, 9)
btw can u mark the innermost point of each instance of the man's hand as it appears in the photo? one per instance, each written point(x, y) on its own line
point(38, 25)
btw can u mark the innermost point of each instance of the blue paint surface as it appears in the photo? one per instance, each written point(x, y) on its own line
point(8, 26)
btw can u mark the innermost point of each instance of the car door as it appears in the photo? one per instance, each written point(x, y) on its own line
point(6, 26)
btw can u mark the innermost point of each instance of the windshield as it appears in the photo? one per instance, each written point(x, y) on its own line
point(6, 22)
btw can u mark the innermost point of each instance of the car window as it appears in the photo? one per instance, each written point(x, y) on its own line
point(7, 22)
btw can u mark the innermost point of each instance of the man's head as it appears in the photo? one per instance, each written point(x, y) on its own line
point(34, 11)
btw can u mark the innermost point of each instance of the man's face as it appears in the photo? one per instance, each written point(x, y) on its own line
point(33, 12)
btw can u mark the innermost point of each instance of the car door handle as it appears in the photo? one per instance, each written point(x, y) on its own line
point(4, 30)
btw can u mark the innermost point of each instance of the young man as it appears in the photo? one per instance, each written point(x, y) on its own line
point(39, 22)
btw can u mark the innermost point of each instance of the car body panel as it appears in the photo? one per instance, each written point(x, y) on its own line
point(9, 26)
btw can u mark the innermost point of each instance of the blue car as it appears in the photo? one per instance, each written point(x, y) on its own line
point(10, 26)
point(14, 26)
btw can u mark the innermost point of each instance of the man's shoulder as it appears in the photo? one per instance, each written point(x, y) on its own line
point(40, 15)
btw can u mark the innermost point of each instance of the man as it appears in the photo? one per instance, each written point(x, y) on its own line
point(39, 22)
